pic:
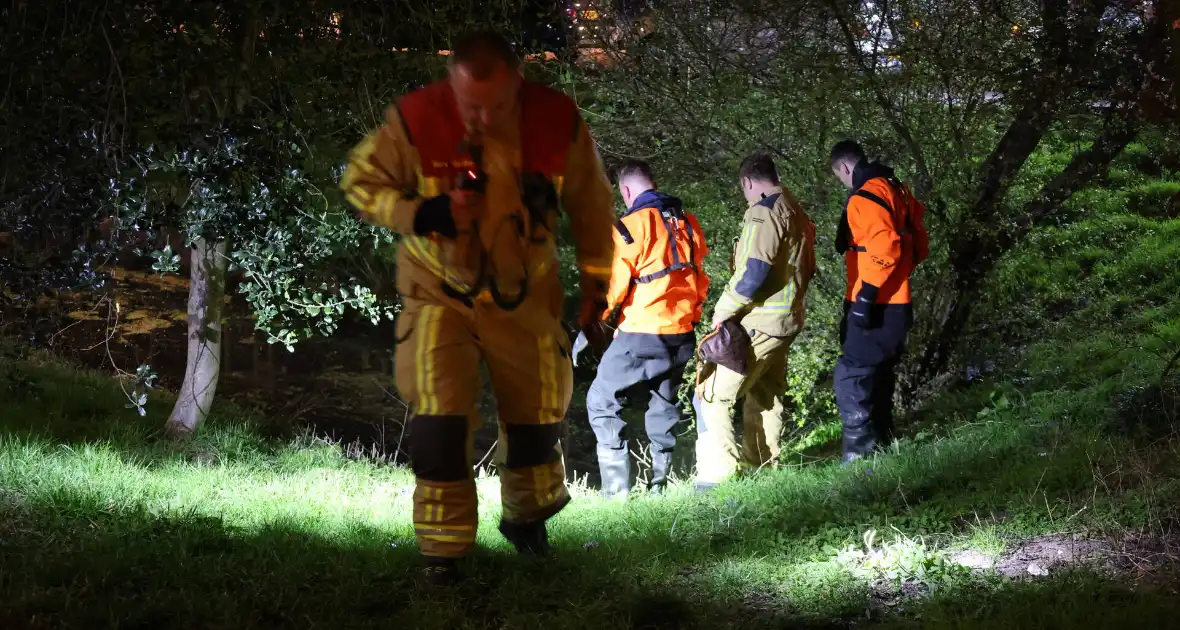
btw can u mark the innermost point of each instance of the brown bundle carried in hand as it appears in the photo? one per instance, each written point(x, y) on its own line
point(728, 345)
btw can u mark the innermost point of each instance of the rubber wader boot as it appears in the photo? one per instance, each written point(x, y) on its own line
point(614, 466)
point(661, 467)
point(529, 538)
point(859, 441)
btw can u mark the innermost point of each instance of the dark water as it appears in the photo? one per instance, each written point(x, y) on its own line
point(340, 387)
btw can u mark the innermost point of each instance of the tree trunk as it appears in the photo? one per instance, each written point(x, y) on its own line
point(982, 240)
point(952, 309)
point(210, 263)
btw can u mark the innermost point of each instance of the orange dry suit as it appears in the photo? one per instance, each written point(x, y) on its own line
point(485, 292)
point(656, 293)
point(883, 239)
point(881, 236)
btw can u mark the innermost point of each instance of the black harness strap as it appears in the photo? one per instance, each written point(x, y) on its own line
point(677, 264)
point(621, 228)
point(905, 230)
point(875, 199)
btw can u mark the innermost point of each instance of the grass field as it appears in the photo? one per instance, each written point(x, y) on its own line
point(1042, 496)
point(100, 526)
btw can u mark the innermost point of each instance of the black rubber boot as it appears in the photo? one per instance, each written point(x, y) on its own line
point(860, 440)
point(614, 466)
point(529, 538)
point(441, 571)
point(661, 467)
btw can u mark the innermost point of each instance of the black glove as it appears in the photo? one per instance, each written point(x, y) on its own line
point(843, 235)
point(861, 309)
point(598, 336)
point(434, 217)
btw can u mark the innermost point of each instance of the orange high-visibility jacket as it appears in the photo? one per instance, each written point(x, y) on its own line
point(657, 285)
point(884, 238)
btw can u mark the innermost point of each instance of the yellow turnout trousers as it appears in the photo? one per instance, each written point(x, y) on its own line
point(719, 389)
point(441, 342)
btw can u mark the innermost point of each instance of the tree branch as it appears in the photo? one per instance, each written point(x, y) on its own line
point(924, 183)
point(1119, 128)
point(980, 242)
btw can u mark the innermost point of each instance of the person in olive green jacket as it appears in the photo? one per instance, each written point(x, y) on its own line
point(772, 264)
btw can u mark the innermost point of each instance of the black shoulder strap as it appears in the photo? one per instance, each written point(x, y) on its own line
point(875, 199)
point(621, 228)
point(863, 194)
point(899, 189)
point(692, 244)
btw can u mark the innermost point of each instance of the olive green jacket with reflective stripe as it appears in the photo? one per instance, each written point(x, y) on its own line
point(773, 261)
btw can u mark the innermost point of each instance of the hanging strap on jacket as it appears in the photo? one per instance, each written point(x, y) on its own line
point(666, 218)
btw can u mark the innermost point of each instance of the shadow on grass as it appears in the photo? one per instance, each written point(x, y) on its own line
point(81, 566)
point(75, 564)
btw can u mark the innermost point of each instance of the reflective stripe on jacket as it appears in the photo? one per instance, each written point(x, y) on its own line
point(773, 262)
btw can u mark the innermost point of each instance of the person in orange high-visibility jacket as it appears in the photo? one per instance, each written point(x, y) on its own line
point(882, 238)
point(472, 171)
point(656, 293)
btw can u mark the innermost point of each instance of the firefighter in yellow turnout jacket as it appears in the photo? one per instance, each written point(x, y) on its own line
point(472, 171)
point(773, 261)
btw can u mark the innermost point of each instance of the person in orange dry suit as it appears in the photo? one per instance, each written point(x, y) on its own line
point(882, 238)
point(655, 298)
point(472, 171)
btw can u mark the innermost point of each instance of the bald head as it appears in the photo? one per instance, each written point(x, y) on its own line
point(485, 75)
point(635, 178)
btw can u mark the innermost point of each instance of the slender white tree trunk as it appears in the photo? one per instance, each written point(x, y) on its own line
point(203, 365)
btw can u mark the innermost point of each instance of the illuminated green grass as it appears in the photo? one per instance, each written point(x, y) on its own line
point(113, 529)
